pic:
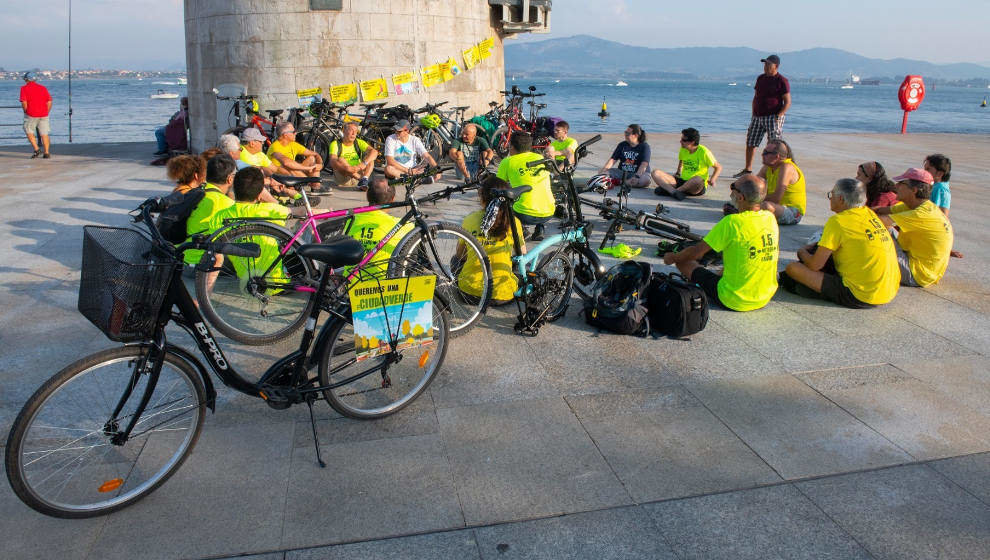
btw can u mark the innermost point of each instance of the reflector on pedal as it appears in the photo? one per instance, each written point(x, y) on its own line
point(111, 485)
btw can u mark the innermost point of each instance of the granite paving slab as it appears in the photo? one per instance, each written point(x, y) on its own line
point(451, 545)
point(31, 535)
point(972, 472)
point(964, 379)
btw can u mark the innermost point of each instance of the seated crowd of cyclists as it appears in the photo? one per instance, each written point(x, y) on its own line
point(883, 233)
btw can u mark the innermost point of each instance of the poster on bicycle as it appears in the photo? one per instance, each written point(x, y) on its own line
point(399, 309)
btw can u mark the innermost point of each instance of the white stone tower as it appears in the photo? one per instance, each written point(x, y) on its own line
point(276, 47)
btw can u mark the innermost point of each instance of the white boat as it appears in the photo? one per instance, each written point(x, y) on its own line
point(732, 83)
point(182, 81)
point(621, 83)
point(164, 83)
point(556, 81)
point(846, 86)
point(162, 94)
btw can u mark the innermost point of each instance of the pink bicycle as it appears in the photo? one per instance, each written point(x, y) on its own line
point(260, 300)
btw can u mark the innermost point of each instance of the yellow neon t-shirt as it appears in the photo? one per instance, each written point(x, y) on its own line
point(257, 160)
point(795, 195)
point(504, 282)
point(748, 242)
point(370, 227)
point(864, 254)
point(246, 266)
point(291, 151)
point(560, 146)
point(200, 220)
point(348, 153)
point(538, 202)
point(926, 236)
point(696, 164)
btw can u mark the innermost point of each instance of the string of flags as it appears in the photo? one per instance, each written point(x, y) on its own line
point(404, 83)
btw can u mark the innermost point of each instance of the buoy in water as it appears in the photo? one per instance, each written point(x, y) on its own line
point(984, 104)
point(604, 112)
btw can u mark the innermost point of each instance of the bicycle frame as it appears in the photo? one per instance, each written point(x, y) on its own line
point(527, 263)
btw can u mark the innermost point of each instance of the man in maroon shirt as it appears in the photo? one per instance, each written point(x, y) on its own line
point(36, 102)
point(771, 100)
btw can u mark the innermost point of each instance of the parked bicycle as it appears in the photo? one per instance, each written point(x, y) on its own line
point(109, 429)
point(248, 104)
point(515, 122)
point(268, 298)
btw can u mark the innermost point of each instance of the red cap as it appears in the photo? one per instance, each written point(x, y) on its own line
point(917, 175)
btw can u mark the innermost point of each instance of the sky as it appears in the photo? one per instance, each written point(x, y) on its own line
point(149, 34)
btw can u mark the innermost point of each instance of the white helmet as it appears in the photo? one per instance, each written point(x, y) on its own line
point(599, 183)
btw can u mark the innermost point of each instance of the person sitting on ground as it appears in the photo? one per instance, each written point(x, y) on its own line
point(940, 167)
point(536, 207)
point(786, 196)
point(748, 241)
point(632, 156)
point(292, 157)
point(691, 177)
point(925, 237)
point(854, 263)
point(498, 244)
point(248, 186)
point(879, 189)
point(370, 227)
point(210, 152)
point(231, 145)
point(562, 147)
point(188, 172)
point(401, 151)
point(471, 153)
point(172, 136)
point(351, 158)
point(219, 177)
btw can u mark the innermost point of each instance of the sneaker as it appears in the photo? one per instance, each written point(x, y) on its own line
point(679, 195)
point(660, 192)
point(729, 209)
point(322, 189)
point(46, 156)
point(363, 184)
point(741, 173)
point(36, 154)
point(313, 201)
point(537, 234)
point(160, 153)
point(429, 181)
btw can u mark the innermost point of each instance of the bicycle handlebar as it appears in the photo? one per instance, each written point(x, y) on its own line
point(156, 204)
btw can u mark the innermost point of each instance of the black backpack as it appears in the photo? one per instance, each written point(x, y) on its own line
point(678, 307)
point(172, 222)
point(617, 299)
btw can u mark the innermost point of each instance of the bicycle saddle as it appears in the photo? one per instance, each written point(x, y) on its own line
point(462, 108)
point(275, 112)
point(337, 252)
point(511, 194)
point(290, 181)
point(374, 105)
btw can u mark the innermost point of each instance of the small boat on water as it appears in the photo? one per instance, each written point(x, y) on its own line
point(181, 80)
point(164, 83)
point(162, 94)
point(556, 81)
point(621, 83)
point(846, 86)
point(732, 83)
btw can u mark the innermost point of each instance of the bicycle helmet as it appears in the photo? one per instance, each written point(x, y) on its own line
point(599, 183)
point(430, 121)
point(253, 106)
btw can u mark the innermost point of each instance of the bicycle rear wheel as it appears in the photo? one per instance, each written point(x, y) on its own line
point(383, 384)
point(259, 300)
point(415, 255)
point(60, 457)
point(556, 273)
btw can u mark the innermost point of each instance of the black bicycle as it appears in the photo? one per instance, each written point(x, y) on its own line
point(110, 428)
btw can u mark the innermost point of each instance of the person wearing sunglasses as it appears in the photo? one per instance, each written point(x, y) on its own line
point(786, 196)
point(854, 264)
point(632, 156)
point(693, 162)
point(749, 243)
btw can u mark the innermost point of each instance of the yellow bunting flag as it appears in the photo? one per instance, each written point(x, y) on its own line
point(452, 68)
point(344, 94)
point(432, 76)
point(404, 83)
point(485, 47)
point(471, 57)
point(445, 72)
point(374, 89)
point(307, 96)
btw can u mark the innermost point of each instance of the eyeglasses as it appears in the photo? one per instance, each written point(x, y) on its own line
point(769, 153)
point(629, 133)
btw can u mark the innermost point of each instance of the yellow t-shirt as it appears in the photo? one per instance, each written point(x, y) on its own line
point(200, 220)
point(348, 153)
point(795, 195)
point(864, 254)
point(291, 151)
point(257, 160)
point(748, 242)
point(926, 236)
point(247, 266)
point(696, 164)
point(538, 202)
point(369, 228)
point(562, 145)
point(504, 282)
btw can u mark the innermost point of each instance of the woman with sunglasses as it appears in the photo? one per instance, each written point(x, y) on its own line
point(632, 156)
point(879, 189)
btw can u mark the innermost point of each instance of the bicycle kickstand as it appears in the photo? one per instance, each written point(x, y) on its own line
point(312, 422)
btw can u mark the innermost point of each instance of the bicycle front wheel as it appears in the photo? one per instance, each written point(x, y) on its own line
point(62, 458)
point(556, 275)
point(384, 384)
point(448, 251)
point(257, 300)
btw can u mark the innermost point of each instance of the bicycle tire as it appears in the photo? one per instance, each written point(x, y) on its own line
point(247, 305)
point(50, 458)
point(413, 255)
point(320, 144)
point(586, 272)
point(376, 139)
point(500, 143)
point(368, 397)
point(434, 145)
point(652, 221)
point(557, 273)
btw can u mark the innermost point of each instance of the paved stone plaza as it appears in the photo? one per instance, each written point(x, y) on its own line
point(802, 430)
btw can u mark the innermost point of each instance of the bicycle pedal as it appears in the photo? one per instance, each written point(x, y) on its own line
point(276, 397)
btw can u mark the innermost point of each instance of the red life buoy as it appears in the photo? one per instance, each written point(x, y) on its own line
point(911, 92)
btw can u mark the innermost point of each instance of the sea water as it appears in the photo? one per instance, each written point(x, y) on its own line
point(122, 110)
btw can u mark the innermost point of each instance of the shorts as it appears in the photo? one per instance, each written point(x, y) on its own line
point(832, 290)
point(790, 216)
point(904, 263)
point(472, 167)
point(39, 124)
point(708, 281)
point(678, 182)
point(614, 173)
point(770, 125)
point(344, 180)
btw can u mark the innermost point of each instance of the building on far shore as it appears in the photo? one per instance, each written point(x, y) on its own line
point(277, 47)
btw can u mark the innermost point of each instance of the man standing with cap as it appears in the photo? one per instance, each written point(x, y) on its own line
point(36, 102)
point(771, 100)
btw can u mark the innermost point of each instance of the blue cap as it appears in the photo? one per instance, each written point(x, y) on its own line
point(29, 76)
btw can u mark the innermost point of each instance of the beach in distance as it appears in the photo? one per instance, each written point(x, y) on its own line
point(122, 110)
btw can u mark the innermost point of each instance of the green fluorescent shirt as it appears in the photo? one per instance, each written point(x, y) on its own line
point(696, 164)
point(562, 145)
point(200, 218)
point(538, 202)
point(748, 242)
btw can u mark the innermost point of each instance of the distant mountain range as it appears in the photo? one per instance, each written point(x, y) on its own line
point(584, 55)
